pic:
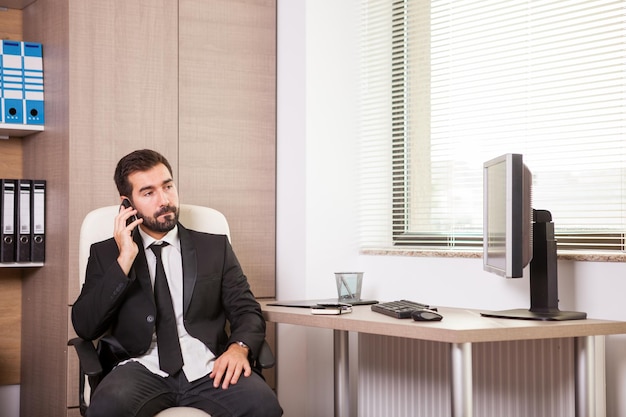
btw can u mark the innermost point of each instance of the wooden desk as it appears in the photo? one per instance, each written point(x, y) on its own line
point(460, 328)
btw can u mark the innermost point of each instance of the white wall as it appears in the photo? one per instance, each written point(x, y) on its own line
point(317, 216)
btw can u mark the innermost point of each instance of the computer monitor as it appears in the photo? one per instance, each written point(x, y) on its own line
point(515, 235)
point(507, 216)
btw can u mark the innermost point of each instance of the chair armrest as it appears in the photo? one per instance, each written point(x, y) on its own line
point(87, 355)
point(266, 358)
point(90, 362)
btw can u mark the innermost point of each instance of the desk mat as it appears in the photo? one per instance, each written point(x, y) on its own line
point(312, 303)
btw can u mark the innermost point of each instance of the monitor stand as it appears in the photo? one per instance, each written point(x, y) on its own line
point(544, 292)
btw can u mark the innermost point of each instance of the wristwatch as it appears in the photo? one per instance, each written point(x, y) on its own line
point(243, 345)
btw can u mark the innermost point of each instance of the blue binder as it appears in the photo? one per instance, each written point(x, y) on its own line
point(21, 83)
point(12, 82)
point(1, 90)
point(33, 84)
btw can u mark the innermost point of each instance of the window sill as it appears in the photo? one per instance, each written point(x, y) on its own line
point(562, 256)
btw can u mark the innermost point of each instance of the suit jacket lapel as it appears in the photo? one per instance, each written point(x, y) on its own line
point(190, 268)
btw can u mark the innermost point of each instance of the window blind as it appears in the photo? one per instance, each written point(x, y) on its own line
point(447, 85)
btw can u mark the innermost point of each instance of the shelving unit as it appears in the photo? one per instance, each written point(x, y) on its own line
point(15, 4)
point(21, 264)
point(8, 130)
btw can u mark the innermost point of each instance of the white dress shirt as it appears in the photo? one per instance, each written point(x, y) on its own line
point(197, 358)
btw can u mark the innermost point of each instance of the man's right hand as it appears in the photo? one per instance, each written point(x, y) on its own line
point(124, 238)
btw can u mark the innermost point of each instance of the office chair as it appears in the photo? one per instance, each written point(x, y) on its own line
point(98, 226)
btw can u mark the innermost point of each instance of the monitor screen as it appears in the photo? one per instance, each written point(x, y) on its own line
point(507, 223)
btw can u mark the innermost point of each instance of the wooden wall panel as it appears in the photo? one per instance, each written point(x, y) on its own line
point(10, 325)
point(228, 123)
point(46, 155)
point(11, 160)
point(11, 24)
point(111, 87)
point(124, 63)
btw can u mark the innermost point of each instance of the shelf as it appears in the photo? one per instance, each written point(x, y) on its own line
point(15, 4)
point(21, 264)
point(17, 130)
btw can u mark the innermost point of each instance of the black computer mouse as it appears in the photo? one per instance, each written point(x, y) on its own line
point(426, 315)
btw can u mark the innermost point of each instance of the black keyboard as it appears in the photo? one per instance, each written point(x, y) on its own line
point(401, 309)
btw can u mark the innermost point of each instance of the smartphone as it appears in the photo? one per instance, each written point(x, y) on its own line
point(126, 204)
point(331, 309)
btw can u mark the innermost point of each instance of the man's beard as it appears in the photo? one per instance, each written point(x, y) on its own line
point(160, 226)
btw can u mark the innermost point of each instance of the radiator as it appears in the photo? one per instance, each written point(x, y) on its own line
point(400, 377)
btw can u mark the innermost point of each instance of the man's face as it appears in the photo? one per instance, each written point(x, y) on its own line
point(156, 199)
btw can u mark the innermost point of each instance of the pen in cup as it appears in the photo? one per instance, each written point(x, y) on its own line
point(345, 284)
point(349, 285)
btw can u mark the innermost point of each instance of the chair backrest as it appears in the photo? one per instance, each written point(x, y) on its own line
point(98, 226)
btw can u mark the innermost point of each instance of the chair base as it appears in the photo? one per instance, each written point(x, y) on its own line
point(182, 412)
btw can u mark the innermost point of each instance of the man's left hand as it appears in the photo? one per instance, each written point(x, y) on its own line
point(228, 368)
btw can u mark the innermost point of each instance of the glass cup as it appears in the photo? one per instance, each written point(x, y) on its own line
point(349, 286)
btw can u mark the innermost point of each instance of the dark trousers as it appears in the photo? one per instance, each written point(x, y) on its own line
point(131, 390)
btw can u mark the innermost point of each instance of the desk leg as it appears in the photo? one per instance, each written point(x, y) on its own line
point(462, 380)
point(586, 376)
point(342, 387)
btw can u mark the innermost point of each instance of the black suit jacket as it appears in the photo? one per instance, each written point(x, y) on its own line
point(214, 286)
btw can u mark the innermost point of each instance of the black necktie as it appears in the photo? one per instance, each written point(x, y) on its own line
point(170, 356)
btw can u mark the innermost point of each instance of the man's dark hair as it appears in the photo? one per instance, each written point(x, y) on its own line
point(140, 160)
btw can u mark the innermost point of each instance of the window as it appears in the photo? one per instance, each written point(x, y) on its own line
point(447, 85)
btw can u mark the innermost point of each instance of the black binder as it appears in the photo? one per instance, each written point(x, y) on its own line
point(23, 220)
point(38, 207)
point(7, 220)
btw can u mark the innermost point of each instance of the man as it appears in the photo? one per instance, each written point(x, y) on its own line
point(201, 366)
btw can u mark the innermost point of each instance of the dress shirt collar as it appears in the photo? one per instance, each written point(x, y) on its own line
point(171, 237)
